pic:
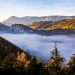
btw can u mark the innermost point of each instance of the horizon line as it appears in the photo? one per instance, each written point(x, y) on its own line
point(33, 16)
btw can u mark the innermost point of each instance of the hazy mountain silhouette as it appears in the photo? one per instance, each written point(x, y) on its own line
point(29, 19)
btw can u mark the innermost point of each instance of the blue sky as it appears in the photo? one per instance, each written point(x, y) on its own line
point(22, 8)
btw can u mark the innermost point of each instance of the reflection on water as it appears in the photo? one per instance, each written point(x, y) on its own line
point(41, 46)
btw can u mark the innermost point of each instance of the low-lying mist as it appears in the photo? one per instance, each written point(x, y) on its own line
point(41, 46)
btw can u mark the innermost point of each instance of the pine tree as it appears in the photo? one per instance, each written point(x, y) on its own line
point(56, 61)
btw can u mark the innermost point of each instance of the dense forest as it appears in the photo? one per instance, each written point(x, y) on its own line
point(22, 63)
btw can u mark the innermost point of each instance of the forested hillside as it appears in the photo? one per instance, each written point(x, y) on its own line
point(49, 25)
point(14, 61)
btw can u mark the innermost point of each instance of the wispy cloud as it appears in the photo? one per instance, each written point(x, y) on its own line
point(36, 8)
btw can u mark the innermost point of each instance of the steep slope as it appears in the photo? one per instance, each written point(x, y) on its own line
point(12, 20)
point(40, 25)
point(65, 26)
point(20, 28)
point(7, 48)
point(48, 25)
point(29, 19)
point(4, 28)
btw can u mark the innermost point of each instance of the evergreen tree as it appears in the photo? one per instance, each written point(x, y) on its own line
point(56, 61)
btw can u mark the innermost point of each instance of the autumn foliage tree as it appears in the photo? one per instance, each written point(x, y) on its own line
point(72, 65)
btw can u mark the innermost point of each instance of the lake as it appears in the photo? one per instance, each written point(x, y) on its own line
point(41, 46)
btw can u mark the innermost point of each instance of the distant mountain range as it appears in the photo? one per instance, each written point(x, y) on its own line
point(64, 26)
point(30, 19)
